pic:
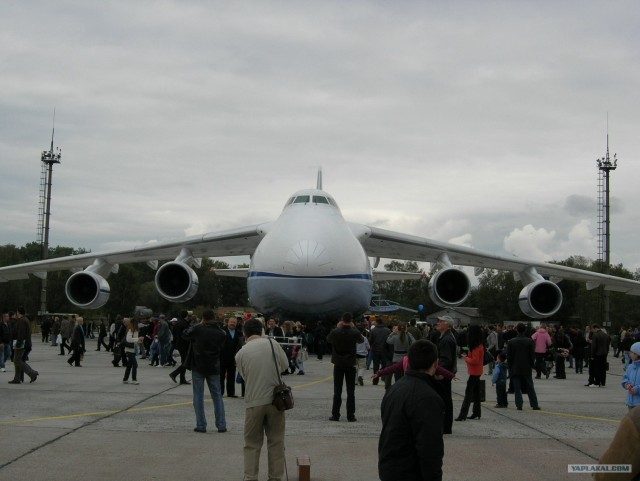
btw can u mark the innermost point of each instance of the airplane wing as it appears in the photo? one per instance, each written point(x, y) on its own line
point(232, 242)
point(382, 243)
point(396, 275)
point(239, 272)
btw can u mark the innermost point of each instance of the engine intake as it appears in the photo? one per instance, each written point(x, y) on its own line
point(540, 299)
point(449, 287)
point(176, 281)
point(87, 290)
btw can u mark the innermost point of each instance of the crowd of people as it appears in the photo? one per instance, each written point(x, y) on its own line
point(411, 360)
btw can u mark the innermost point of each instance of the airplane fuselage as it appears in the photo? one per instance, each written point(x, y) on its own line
point(309, 265)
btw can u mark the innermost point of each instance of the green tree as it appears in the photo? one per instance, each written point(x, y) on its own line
point(407, 293)
point(496, 296)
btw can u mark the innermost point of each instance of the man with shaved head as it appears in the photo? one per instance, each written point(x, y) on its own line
point(447, 359)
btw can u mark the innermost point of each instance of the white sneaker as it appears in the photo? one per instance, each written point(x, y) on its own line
point(3, 370)
point(125, 382)
point(134, 382)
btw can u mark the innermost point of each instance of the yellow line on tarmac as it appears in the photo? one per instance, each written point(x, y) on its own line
point(116, 411)
point(313, 383)
point(578, 416)
point(566, 415)
point(96, 413)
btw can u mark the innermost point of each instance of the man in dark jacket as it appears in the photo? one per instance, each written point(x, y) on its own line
point(164, 340)
point(521, 358)
point(22, 337)
point(600, 343)
point(207, 340)
point(77, 343)
point(182, 346)
point(66, 329)
point(273, 330)
point(448, 359)
point(411, 445)
point(5, 340)
point(320, 340)
point(378, 341)
point(344, 339)
point(119, 335)
point(234, 342)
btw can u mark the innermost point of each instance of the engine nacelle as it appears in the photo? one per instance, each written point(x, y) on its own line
point(449, 287)
point(540, 299)
point(87, 290)
point(176, 281)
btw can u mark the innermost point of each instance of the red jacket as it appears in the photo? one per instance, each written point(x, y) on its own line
point(475, 361)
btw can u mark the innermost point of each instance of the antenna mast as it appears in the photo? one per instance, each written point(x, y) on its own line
point(605, 166)
point(48, 158)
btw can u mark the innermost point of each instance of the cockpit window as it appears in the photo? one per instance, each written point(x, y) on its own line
point(312, 199)
point(301, 199)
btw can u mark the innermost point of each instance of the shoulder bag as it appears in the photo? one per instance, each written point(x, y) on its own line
point(303, 354)
point(282, 395)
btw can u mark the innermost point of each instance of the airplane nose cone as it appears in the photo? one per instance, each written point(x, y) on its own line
point(306, 254)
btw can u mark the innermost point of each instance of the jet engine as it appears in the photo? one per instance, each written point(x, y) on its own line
point(87, 290)
point(540, 299)
point(449, 287)
point(176, 281)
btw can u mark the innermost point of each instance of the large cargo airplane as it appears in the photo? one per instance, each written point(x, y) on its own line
point(312, 264)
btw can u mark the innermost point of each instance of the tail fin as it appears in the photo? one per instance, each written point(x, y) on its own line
point(319, 182)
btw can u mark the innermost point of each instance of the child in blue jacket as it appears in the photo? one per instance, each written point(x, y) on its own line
point(631, 378)
point(499, 380)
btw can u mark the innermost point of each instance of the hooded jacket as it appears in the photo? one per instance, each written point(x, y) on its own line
point(632, 376)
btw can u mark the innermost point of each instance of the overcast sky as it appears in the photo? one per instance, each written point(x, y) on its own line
point(473, 122)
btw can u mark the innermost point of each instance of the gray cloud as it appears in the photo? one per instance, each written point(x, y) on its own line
point(461, 121)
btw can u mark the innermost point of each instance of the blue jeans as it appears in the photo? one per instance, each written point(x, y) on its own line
point(5, 354)
point(518, 382)
point(164, 353)
point(213, 381)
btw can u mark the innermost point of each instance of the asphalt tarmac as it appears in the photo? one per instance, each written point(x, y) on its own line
point(85, 424)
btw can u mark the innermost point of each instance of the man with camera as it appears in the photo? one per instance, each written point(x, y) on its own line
point(255, 363)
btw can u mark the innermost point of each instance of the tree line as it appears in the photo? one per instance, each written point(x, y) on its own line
point(496, 295)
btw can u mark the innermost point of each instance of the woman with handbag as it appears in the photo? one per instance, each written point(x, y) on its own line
point(475, 362)
point(132, 340)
